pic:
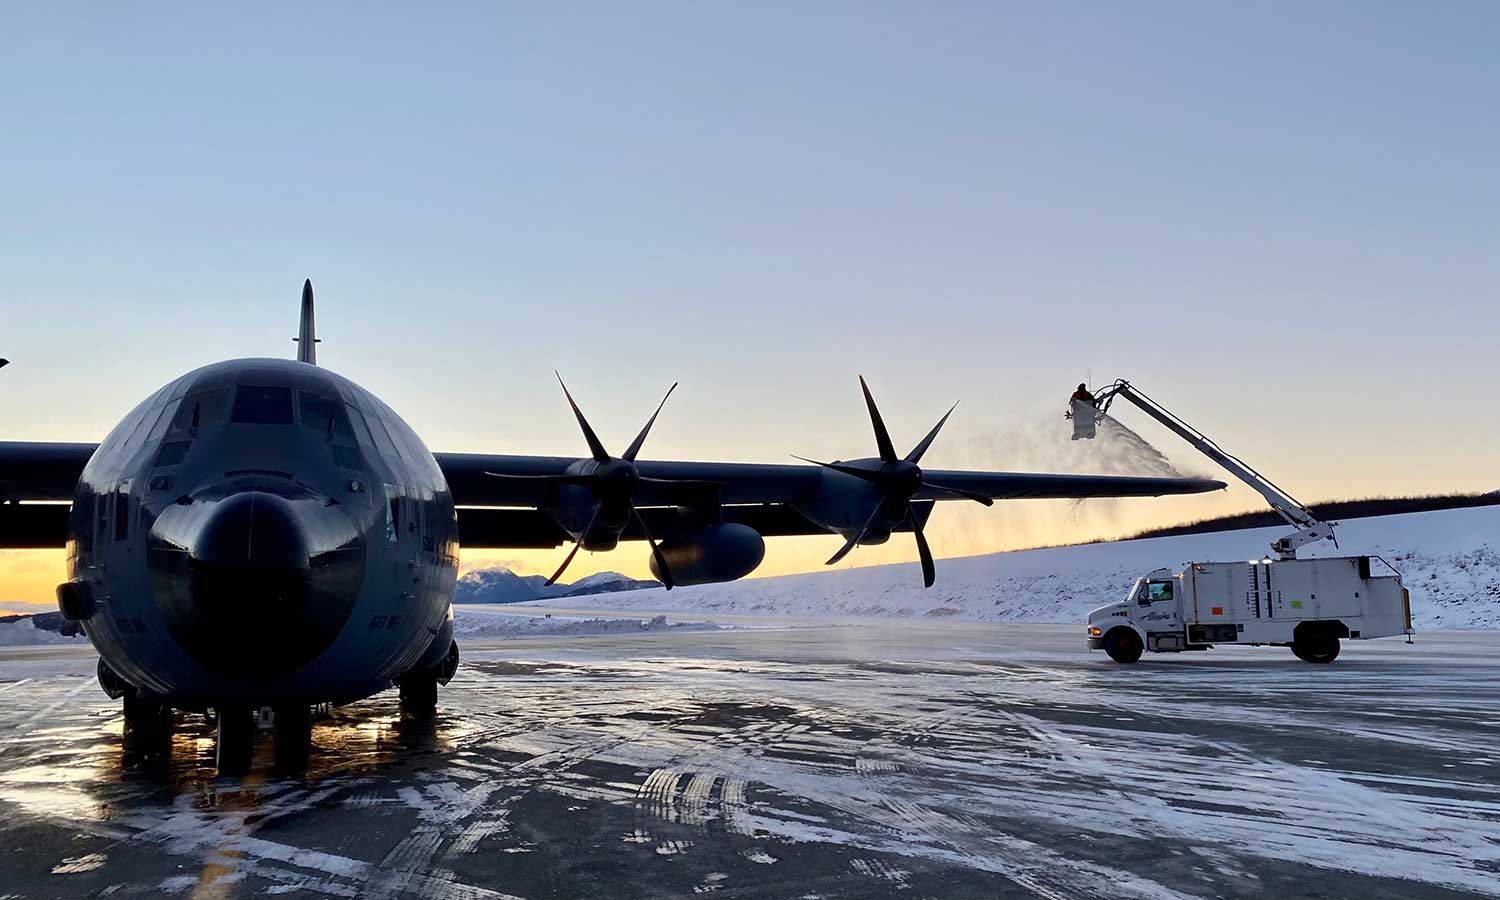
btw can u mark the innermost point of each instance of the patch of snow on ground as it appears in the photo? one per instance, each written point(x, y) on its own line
point(1449, 559)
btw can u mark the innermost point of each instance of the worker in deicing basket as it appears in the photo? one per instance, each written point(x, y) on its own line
point(1082, 409)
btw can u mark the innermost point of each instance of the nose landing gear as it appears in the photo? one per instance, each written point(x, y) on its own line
point(148, 725)
point(234, 740)
point(293, 736)
point(236, 728)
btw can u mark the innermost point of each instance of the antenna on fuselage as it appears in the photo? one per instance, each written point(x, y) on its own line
point(307, 338)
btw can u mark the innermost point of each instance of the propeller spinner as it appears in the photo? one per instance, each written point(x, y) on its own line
point(896, 481)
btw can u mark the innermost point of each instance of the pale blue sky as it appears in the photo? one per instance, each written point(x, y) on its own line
point(1284, 219)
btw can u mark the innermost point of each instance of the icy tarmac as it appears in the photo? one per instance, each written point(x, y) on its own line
point(901, 759)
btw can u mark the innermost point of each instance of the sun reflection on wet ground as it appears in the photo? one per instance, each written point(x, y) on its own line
point(910, 761)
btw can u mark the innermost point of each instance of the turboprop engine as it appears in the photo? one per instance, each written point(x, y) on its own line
point(717, 553)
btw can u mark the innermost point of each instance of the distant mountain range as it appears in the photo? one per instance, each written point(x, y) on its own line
point(501, 585)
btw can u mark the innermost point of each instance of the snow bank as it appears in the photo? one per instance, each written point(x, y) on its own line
point(470, 621)
point(22, 632)
point(1450, 560)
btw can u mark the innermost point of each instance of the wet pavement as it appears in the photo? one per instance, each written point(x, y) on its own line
point(903, 759)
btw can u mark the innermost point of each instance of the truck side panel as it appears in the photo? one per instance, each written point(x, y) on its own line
point(1266, 599)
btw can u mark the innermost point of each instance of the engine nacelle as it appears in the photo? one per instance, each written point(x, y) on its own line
point(713, 554)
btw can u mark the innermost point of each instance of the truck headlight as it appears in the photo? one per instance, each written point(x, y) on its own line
point(1094, 631)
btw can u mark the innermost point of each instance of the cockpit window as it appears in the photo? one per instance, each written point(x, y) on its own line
point(262, 405)
point(383, 441)
point(200, 410)
point(325, 416)
point(1158, 590)
point(361, 430)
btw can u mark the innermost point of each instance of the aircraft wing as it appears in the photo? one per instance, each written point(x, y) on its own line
point(508, 511)
point(471, 478)
point(41, 471)
point(43, 476)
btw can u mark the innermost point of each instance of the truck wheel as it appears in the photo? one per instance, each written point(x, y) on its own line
point(1123, 645)
point(1320, 649)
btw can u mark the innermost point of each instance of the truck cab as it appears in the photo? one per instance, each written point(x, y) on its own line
point(1149, 618)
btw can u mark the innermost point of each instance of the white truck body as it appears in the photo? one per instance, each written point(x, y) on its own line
point(1290, 602)
point(1306, 604)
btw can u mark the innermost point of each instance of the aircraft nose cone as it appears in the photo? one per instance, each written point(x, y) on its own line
point(256, 585)
point(250, 560)
point(253, 530)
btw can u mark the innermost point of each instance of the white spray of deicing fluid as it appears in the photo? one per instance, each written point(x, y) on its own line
point(1118, 445)
point(1041, 441)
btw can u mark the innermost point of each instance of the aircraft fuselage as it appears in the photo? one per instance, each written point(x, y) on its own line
point(263, 531)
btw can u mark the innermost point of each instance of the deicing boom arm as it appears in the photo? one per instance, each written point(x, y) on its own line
point(1309, 528)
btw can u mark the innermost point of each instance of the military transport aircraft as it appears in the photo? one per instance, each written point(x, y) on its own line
point(262, 533)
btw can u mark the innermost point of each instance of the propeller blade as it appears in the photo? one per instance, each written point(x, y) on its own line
point(635, 446)
point(929, 571)
point(595, 448)
point(959, 492)
point(882, 437)
point(661, 561)
point(916, 452)
point(574, 552)
point(853, 541)
point(571, 553)
point(865, 474)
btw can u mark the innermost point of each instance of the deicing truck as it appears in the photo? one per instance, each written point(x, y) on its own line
point(1308, 605)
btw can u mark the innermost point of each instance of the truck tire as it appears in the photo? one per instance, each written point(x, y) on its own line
point(1323, 648)
point(1123, 645)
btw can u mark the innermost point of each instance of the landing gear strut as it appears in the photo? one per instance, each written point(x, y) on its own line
point(234, 743)
point(419, 694)
point(293, 736)
point(419, 687)
point(148, 724)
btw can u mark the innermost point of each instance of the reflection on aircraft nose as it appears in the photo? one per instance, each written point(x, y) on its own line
point(256, 583)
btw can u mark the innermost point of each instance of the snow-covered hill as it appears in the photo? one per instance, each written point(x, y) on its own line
point(1450, 560)
point(498, 584)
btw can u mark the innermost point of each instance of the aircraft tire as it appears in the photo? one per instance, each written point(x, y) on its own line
point(146, 715)
point(293, 737)
point(148, 726)
point(419, 694)
point(1123, 646)
point(234, 740)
